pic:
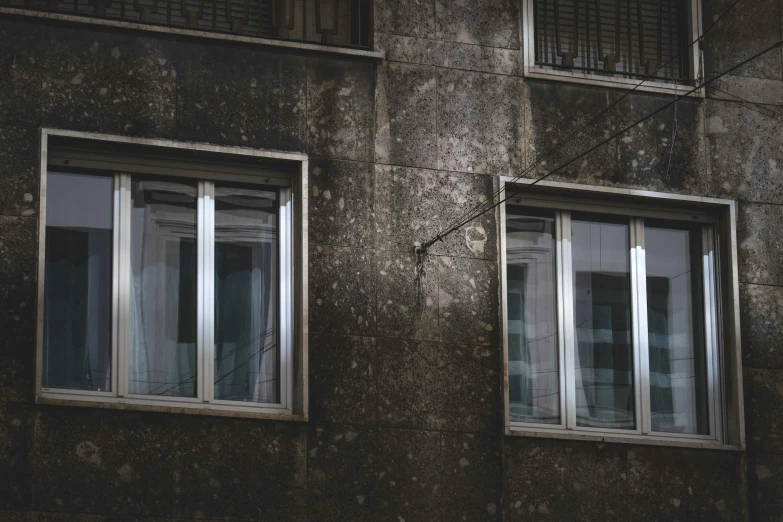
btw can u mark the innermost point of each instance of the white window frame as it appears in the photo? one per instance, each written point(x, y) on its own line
point(293, 291)
point(721, 308)
point(695, 58)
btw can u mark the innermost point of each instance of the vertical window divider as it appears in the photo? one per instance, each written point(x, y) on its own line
point(565, 291)
point(710, 331)
point(206, 289)
point(721, 424)
point(124, 268)
point(115, 282)
point(560, 307)
point(640, 330)
point(285, 319)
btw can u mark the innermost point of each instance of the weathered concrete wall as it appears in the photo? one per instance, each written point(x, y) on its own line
point(405, 405)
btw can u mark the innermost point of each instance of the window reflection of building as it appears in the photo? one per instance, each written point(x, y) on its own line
point(532, 336)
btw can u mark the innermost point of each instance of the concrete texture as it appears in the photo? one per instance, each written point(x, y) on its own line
point(435, 386)
point(415, 204)
point(406, 17)
point(342, 291)
point(19, 156)
point(764, 410)
point(472, 478)
point(760, 231)
point(20, 72)
point(679, 484)
point(481, 118)
point(407, 302)
point(761, 309)
point(406, 105)
point(18, 260)
point(339, 108)
point(450, 54)
point(230, 94)
point(555, 114)
point(739, 36)
point(565, 481)
point(405, 361)
point(109, 82)
point(343, 375)
point(409, 478)
point(493, 22)
point(745, 151)
point(341, 203)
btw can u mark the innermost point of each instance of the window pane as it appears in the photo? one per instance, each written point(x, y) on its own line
point(163, 288)
point(534, 389)
point(246, 286)
point(675, 324)
point(78, 282)
point(602, 320)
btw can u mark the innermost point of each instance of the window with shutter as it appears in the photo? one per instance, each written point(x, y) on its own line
point(614, 41)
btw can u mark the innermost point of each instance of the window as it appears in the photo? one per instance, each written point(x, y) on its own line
point(614, 318)
point(171, 278)
point(613, 42)
point(344, 23)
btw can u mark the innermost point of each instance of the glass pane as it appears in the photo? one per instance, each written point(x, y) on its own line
point(163, 288)
point(534, 388)
point(78, 282)
point(675, 325)
point(247, 366)
point(602, 319)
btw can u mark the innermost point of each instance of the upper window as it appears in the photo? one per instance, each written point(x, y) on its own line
point(613, 320)
point(611, 41)
point(344, 23)
point(168, 282)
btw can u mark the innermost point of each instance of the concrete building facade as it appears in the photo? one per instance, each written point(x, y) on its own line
point(406, 379)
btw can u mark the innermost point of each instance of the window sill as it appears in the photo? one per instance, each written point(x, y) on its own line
point(194, 408)
point(638, 440)
point(545, 73)
point(268, 42)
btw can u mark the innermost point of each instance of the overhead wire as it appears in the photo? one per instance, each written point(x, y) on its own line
point(743, 100)
point(453, 228)
point(578, 131)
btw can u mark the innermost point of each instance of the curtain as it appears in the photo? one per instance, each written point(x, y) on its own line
point(162, 349)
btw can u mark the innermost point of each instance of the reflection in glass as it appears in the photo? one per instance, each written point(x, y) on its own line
point(78, 282)
point(602, 319)
point(163, 288)
point(534, 390)
point(246, 322)
point(675, 323)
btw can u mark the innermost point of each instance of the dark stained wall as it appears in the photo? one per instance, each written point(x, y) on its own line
point(405, 402)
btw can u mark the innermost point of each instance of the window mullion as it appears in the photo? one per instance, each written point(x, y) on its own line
point(124, 281)
point(710, 332)
point(559, 306)
point(115, 281)
point(285, 249)
point(206, 289)
point(640, 333)
point(566, 316)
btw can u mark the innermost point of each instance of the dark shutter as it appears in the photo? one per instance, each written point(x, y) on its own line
point(631, 38)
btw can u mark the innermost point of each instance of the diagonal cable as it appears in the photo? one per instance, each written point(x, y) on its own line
point(592, 121)
point(743, 100)
point(440, 236)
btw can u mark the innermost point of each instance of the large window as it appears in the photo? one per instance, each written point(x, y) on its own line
point(614, 41)
point(613, 319)
point(168, 282)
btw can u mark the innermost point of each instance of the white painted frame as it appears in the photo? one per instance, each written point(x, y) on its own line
point(721, 308)
point(293, 290)
point(695, 59)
